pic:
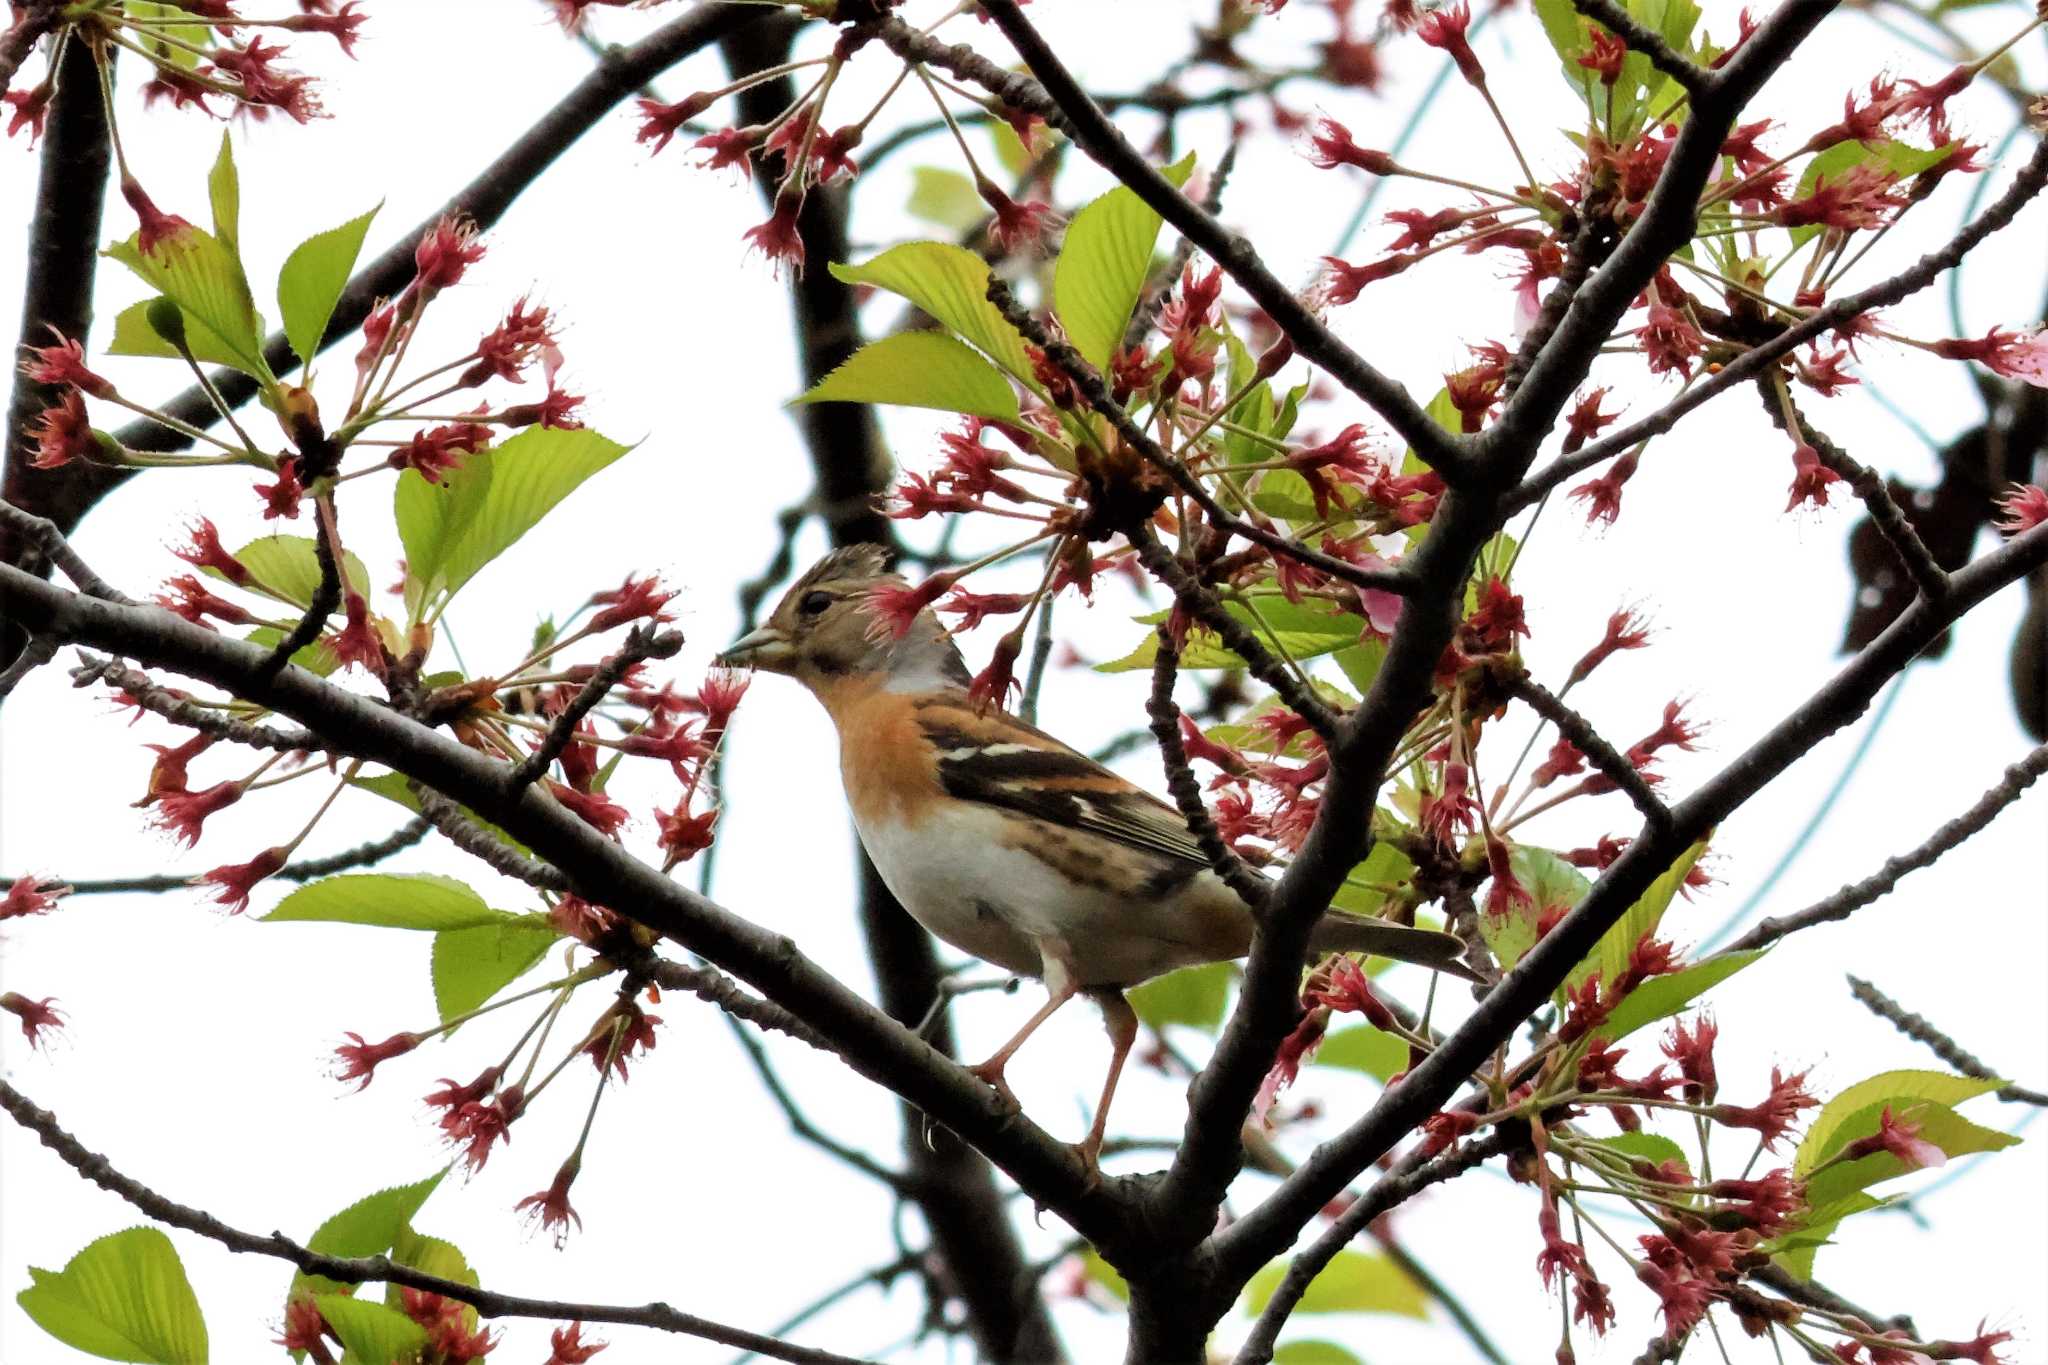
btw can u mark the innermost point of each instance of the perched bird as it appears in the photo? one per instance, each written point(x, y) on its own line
point(1000, 839)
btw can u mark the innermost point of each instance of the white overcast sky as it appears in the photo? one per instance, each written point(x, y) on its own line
point(198, 1047)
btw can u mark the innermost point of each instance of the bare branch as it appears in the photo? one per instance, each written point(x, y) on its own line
point(641, 644)
point(39, 650)
point(1059, 99)
point(363, 855)
point(1581, 733)
point(48, 538)
point(1948, 1049)
point(1856, 895)
point(1235, 634)
point(361, 1269)
point(466, 833)
point(32, 21)
point(144, 691)
point(1250, 887)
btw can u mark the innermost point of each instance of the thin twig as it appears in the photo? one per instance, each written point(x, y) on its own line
point(1235, 635)
point(464, 831)
point(641, 644)
point(1948, 1049)
point(1575, 727)
point(39, 650)
point(140, 688)
point(1885, 514)
point(1250, 887)
point(1090, 382)
point(326, 593)
point(48, 537)
point(19, 39)
point(800, 1122)
point(1389, 1192)
point(1856, 895)
point(362, 1269)
point(363, 855)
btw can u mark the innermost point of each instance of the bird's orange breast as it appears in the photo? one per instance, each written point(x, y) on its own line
point(888, 765)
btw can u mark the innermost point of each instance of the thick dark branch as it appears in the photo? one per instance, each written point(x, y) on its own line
point(1751, 363)
point(1581, 733)
point(1885, 514)
point(1180, 779)
point(1856, 895)
point(641, 644)
point(1388, 1193)
point(358, 1270)
point(30, 24)
point(60, 267)
point(1646, 40)
point(1269, 1228)
point(363, 855)
point(604, 873)
point(1943, 1046)
point(48, 539)
point(1236, 636)
point(1090, 382)
point(1059, 99)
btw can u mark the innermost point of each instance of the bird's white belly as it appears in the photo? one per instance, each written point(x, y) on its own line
point(961, 877)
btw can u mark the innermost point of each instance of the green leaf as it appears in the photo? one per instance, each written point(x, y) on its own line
point(1651, 1147)
point(1303, 631)
point(1938, 1124)
point(316, 658)
point(224, 189)
point(181, 58)
point(290, 566)
point(388, 900)
point(1663, 996)
point(1102, 266)
point(1365, 887)
point(1833, 1128)
point(481, 508)
point(1886, 154)
point(1313, 1353)
point(1353, 1282)
point(1104, 1274)
point(134, 336)
point(1193, 996)
point(1375, 1052)
point(369, 1227)
point(472, 965)
point(945, 198)
point(919, 370)
point(951, 284)
point(1795, 1250)
point(434, 1257)
point(204, 278)
point(124, 1297)
point(312, 280)
point(1361, 663)
point(1610, 955)
point(372, 1333)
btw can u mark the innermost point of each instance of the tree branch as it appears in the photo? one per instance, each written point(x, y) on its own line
point(1581, 733)
point(359, 1269)
point(1751, 363)
point(181, 710)
point(1856, 895)
point(1269, 1228)
point(1385, 1195)
point(1943, 1046)
point(1059, 99)
point(642, 643)
point(20, 38)
point(363, 855)
point(1641, 38)
point(1250, 887)
point(1089, 380)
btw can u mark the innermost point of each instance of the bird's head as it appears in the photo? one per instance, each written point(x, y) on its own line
point(841, 620)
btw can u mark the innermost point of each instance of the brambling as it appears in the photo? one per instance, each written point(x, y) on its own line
point(1003, 841)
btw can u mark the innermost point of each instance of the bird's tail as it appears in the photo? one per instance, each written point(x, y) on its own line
point(1338, 932)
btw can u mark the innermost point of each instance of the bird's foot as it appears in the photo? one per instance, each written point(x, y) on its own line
point(1088, 1151)
point(990, 1073)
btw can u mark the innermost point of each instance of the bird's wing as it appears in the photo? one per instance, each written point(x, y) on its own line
point(999, 760)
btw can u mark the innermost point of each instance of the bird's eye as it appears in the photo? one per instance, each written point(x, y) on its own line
point(814, 603)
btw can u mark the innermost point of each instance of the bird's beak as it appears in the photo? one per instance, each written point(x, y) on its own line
point(767, 648)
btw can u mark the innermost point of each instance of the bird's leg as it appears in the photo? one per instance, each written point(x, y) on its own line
point(1060, 988)
point(1122, 1022)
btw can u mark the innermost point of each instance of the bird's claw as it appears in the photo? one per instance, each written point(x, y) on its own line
point(990, 1073)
